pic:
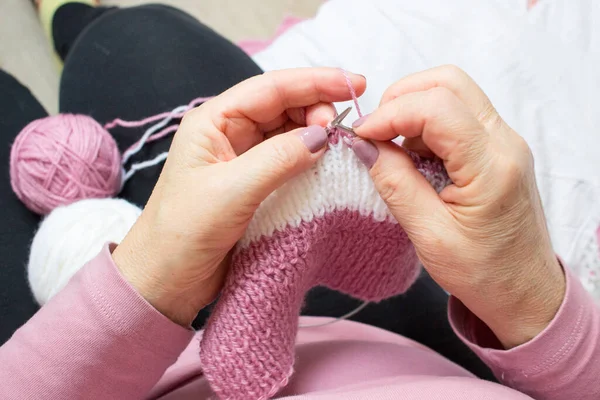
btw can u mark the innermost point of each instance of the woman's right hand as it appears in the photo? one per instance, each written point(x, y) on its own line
point(484, 238)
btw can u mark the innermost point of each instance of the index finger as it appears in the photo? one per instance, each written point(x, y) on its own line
point(452, 78)
point(446, 126)
point(264, 97)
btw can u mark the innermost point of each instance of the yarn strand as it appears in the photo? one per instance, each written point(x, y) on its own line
point(153, 133)
point(149, 132)
point(352, 91)
point(144, 164)
point(145, 121)
point(338, 319)
point(161, 129)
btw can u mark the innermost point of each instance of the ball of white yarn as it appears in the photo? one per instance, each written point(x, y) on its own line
point(72, 235)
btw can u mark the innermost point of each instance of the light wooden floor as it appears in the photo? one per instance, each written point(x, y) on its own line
point(24, 51)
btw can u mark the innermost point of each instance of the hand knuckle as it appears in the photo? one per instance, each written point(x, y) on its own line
point(440, 96)
point(454, 72)
point(512, 167)
point(489, 117)
point(188, 116)
point(267, 74)
point(191, 117)
point(256, 78)
point(440, 102)
point(522, 146)
point(525, 154)
point(518, 155)
point(518, 165)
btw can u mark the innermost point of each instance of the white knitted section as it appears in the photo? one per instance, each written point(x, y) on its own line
point(337, 182)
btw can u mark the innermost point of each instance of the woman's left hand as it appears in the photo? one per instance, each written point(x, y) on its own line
point(227, 156)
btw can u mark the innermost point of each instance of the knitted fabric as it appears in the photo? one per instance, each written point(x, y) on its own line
point(327, 227)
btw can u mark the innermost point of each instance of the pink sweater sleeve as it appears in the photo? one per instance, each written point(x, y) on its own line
point(562, 362)
point(97, 339)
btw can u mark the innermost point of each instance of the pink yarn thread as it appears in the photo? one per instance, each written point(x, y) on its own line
point(352, 92)
point(145, 121)
point(166, 115)
point(61, 159)
point(336, 134)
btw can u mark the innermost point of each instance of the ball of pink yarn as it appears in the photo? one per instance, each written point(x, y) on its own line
point(60, 159)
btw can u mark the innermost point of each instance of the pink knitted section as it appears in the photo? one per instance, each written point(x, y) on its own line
point(247, 351)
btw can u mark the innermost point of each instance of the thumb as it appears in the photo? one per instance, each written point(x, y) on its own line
point(268, 165)
point(409, 196)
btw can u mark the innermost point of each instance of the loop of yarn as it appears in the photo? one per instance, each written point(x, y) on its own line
point(60, 159)
point(72, 235)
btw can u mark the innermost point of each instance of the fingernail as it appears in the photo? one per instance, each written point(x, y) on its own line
point(360, 121)
point(366, 152)
point(314, 137)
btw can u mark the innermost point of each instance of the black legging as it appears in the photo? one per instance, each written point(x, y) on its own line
point(135, 62)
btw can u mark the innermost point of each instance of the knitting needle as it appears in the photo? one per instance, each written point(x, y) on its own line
point(337, 122)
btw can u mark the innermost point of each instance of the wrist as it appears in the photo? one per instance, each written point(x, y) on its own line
point(523, 308)
point(140, 264)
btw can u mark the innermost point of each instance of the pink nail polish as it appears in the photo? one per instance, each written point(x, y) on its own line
point(366, 152)
point(314, 137)
point(360, 121)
